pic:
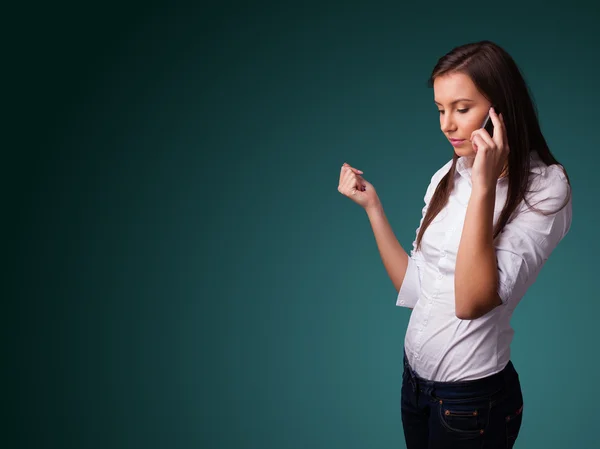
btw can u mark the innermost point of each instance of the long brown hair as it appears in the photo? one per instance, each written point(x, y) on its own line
point(498, 78)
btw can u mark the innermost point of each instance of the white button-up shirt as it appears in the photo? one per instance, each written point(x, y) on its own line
point(440, 346)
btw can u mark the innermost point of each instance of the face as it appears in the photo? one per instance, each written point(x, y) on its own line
point(462, 110)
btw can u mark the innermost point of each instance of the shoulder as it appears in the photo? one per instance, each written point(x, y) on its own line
point(440, 173)
point(435, 180)
point(549, 187)
point(546, 213)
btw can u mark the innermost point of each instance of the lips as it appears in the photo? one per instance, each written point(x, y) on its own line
point(456, 142)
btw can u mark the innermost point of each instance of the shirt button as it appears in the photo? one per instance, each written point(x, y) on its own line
point(401, 301)
point(440, 276)
point(443, 254)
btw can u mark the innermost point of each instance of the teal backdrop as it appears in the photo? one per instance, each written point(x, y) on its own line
point(182, 271)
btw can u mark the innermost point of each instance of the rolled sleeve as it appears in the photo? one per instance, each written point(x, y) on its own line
point(527, 241)
point(411, 286)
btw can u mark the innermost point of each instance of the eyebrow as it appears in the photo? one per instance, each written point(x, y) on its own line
point(456, 101)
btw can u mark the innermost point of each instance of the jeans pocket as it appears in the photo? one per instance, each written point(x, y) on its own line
point(513, 425)
point(465, 417)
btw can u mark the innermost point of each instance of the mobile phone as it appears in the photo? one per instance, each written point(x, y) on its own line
point(488, 125)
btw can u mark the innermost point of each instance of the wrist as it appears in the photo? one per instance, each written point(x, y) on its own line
point(374, 210)
point(483, 192)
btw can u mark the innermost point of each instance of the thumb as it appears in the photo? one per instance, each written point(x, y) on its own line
point(355, 170)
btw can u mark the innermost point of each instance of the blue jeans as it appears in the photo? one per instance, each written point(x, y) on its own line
point(484, 413)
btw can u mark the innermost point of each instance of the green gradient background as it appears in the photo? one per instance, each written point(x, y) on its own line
point(184, 273)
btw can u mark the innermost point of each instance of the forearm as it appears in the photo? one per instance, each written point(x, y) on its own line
point(394, 257)
point(476, 275)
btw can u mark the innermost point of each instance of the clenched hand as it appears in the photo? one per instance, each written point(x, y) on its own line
point(355, 187)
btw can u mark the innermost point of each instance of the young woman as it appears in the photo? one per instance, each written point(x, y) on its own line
point(493, 214)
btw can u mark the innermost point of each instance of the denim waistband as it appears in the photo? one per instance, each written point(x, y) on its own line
point(466, 388)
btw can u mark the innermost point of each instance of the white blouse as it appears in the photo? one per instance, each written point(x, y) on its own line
point(442, 347)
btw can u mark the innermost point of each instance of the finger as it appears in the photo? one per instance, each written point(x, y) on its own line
point(349, 182)
point(499, 125)
point(356, 170)
point(346, 175)
point(344, 169)
point(504, 137)
point(482, 132)
point(478, 143)
point(352, 185)
point(484, 136)
point(474, 143)
point(344, 184)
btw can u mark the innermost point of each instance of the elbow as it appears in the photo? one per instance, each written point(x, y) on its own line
point(474, 308)
point(466, 314)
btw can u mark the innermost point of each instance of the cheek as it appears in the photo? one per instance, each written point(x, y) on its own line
point(470, 124)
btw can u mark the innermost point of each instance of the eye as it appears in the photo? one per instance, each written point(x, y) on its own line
point(462, 111)
point(441, 112)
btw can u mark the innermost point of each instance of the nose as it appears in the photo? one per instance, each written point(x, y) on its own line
point(447, 123)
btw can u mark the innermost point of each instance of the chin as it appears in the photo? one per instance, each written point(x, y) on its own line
point(464, 152)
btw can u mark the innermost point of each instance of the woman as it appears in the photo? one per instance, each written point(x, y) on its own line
point(493, 214)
